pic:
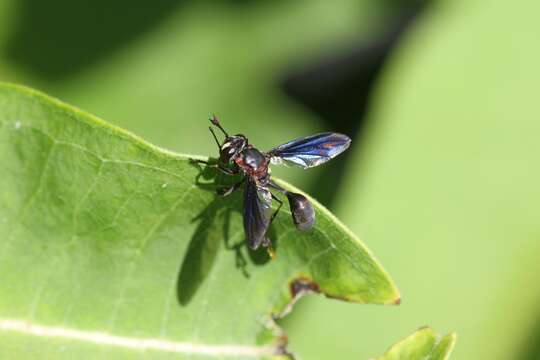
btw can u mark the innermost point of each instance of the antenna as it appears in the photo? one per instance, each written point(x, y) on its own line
point(215, 121)
point(215, 137)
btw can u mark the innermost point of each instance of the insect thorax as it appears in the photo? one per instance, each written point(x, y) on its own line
point(253, 162)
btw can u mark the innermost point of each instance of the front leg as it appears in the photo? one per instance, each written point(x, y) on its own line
point(220, 167)
point(228, 171)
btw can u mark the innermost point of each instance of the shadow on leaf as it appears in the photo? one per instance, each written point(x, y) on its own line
point(213, 231)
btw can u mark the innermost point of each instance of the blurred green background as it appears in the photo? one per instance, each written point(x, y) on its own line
point(440, 98)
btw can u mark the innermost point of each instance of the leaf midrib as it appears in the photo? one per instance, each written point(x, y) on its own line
point(132, 343)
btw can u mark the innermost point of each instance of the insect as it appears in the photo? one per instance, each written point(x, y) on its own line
point(238, 156)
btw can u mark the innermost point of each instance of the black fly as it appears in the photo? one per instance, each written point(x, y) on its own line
point(236, 155)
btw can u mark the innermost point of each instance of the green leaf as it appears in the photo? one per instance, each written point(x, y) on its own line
point(424, 344)
point(111, 246)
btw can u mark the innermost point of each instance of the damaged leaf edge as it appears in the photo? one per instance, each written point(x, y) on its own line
point(394, 299)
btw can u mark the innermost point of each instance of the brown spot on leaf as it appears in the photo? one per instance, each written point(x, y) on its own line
point(398, 301)
point(298, 287)
point(301, 286)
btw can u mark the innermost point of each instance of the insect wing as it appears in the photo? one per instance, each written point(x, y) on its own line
point(257, 213)
point(312, 150)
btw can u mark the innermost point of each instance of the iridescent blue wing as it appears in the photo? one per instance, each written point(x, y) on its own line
point(257, 213)
point(312, 150)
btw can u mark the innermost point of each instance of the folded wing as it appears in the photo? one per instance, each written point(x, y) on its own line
point(312, 150)
point(257, 213)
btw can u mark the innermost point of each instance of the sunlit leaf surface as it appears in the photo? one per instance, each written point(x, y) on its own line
point(111, 247)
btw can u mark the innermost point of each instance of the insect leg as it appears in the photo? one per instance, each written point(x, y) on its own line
point(228, 171)
point(227, 191)
point(220, 167)
point(302, 210)
point(267, 242)
point(199, 161)
point(275, 186)
point(277, 210)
